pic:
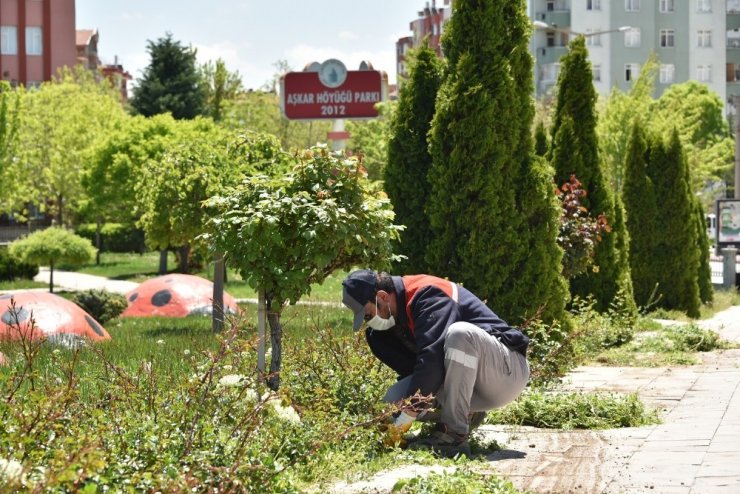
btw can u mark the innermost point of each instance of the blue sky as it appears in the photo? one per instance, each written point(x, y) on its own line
point(252, 35)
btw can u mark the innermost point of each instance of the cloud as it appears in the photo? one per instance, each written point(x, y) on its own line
point(131, 17)
point(348, 36)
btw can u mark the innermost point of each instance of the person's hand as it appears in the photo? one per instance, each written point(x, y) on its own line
point(395, 431)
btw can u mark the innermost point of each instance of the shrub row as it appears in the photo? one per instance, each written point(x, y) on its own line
point(11, 269)
point(115, 237)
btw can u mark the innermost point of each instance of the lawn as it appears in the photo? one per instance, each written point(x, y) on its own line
point(140, 267)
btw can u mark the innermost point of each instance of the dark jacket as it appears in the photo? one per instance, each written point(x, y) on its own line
point(415, 346)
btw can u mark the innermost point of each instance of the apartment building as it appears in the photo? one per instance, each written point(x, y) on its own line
point(693, 40)
point(37, 37)
point(429, 25)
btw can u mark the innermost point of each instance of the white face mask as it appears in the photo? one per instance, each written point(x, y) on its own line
point(378, 323)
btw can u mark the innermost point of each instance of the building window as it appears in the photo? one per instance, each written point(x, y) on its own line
point(596, 69)
point(550, 5)
point(435, 30)
point(631, 71)
point(704, 5)
point(632, 37)
point(593, 4)
point(632, 5)
point(666, 6)
point(592, 39)
point(667, 38)
point(667, 73)
point(34, 45)
point(8, 40)
point(705, 39)
point(704, 73)
point(551, 38)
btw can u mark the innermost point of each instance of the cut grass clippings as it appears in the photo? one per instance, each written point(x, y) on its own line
point(557, 410)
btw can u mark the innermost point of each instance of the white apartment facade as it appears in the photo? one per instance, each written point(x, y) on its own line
point(693, 40)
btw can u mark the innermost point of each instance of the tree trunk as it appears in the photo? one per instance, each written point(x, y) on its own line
point(184, 255)
point(163, 261)
point(218, 292)
point(60, 213)
point(51, 276)
point(276, 344)
point(98, 240)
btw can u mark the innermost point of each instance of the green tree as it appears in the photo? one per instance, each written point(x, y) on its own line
point(221, 88)
point(170, 83)
point(117, 165)
point(697, 114)
point(677, 250)
point(259, 111)
point(706, 291)
point(492, 205)
point(369, 139)
point(171, 191)
point(9, 125)
point(63, 121)
point(52, 246)
point(575, 151)
point(641, 205)
point(409, 161)
point(618, 115)
point(541, 143)
point(285, 233)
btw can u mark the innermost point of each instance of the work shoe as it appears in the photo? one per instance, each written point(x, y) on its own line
point(475, 419)
point(443, 442)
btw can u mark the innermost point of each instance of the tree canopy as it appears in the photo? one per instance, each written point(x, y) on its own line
point(171, 82)
point(52, 246)
point(492, 204)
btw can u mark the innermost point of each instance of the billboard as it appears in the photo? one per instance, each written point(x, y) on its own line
point(728, 222)
point(331, 92)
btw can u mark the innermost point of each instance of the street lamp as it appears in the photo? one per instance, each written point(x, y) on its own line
point(544, 25)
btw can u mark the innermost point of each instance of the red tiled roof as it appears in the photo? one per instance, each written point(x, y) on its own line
point(83, 36)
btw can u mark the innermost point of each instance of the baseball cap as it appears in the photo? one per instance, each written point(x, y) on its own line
point(357, 290)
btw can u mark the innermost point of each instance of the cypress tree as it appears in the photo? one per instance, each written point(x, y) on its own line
point(676, 259)
point(492, 205)
point(706, 291)
point(540, 140)
point(641, 208)
point(409, 161)
point(576, 152)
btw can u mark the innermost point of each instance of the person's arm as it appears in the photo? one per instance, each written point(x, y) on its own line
point(386, 347)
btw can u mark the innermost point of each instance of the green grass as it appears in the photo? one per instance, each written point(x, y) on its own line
point(140, 267)
point(21, 285)
point(660, 346)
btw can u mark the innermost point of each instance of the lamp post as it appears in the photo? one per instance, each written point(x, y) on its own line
point(544, 25)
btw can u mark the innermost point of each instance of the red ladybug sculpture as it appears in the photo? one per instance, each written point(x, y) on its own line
point(54, 318)
point(174, 295)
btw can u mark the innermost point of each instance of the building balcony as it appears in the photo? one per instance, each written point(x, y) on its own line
point(733, 15)
point(554, 18)
point(550, 54)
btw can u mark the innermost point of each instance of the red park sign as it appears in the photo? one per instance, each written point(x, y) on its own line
point(305, 96)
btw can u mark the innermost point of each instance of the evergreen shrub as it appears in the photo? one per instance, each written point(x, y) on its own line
point(114, 237)
point(100, 304)
point(12, 269)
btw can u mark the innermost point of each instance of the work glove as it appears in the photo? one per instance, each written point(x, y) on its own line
point(395, 431)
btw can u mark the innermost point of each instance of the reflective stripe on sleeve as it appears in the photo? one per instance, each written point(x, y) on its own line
point(454, 291)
